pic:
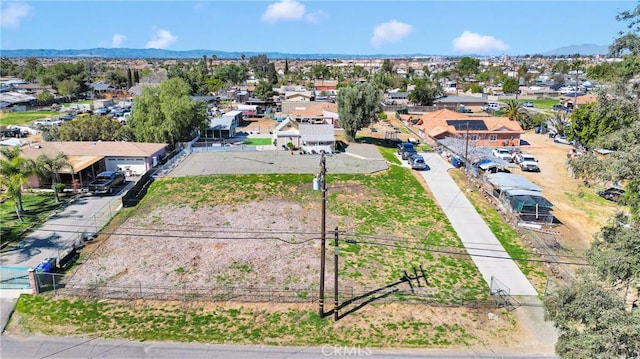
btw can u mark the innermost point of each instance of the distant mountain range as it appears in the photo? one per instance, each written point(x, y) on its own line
point(123, 53)
point(584, 49)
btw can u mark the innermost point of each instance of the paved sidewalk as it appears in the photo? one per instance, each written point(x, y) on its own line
point(485, 249)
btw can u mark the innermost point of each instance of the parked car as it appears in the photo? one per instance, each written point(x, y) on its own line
point(561, 139)
point(406, 149)
point(417, 162)
point(558, 107)
point(491, 106)
point(101, 111)
point(48, 122)
point(527, 104)
point(106, 181)
point(529, 167)
point(527, 162)
point(612, 194)
point(67, 117)
point(502, 153)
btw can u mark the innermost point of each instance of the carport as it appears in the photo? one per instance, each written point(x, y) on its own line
point(530, 206)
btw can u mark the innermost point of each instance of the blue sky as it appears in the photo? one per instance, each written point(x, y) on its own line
point(291, 26)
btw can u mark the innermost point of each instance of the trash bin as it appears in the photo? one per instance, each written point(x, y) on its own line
point(537, 129)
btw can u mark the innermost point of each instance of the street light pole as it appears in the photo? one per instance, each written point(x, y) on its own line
point(323, 239)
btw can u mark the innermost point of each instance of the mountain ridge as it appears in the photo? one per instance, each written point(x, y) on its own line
point(131, 53)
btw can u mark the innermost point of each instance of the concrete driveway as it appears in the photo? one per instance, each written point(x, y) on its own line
point(493, 262)
point(86, 213)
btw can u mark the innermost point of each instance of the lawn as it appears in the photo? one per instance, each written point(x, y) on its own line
point(545, 103)
point(258, 141)
point(24, 118)
point(37, 207)
point(422, 327)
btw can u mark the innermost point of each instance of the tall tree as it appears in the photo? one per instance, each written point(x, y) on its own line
point(264, 90)
point(232, 73)
point(615, 254)
point(50, 167)
point(358, 107)
point(270, 74)
point(167, 114)
point(259, 65)
point(387, 66)
point(94, 128)
point(14, 170)
point(592, 322)
point(510, 85)
point(468, 66)
point(425, 92)
point(286, 66)
point(129, 78)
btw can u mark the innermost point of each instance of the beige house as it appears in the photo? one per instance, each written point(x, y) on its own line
point(90, 158)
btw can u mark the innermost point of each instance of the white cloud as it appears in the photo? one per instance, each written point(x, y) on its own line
point(473, 43)
point(389, 32)
point(11, 14)
point(161, 39)
point(117, 40)
point(314, 18)
point(284, 10)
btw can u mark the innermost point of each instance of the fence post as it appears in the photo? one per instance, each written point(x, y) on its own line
point(33, 282)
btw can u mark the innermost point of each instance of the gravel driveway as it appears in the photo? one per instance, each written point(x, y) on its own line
point(359, 158)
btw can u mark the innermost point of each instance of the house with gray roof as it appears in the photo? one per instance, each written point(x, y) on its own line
point(317, 138)
point(225, 126)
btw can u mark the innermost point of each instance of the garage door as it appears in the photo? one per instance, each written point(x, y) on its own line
point(135, 165)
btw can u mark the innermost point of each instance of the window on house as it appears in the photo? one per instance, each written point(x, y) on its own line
point(493, 138)
point(473, 137)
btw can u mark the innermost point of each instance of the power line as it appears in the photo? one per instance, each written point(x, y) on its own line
point(197, 234)
point(467, 254)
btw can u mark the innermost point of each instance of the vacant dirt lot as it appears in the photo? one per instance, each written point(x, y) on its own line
point(581, 212)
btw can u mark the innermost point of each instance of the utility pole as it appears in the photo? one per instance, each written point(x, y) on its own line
point(466, 158)
point(323, 239)
point(335, 279)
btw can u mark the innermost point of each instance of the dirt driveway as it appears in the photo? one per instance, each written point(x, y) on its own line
point(577, 206)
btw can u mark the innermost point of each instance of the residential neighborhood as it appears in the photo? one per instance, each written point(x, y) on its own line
point(464, 204)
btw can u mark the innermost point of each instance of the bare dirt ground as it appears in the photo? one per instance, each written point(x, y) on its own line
point(581, 217)
point(174, 246)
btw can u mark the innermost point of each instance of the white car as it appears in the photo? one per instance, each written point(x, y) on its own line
point(561, 139)
point(48, 122)
point(502, 153)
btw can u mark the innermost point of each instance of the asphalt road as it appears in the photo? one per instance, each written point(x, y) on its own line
point(56, 347)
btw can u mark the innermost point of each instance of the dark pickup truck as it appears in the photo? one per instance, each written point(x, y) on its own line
point(106, 181)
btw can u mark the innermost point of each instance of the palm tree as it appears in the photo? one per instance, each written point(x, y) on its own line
point(13, 175)
point(561, 122)
point(515, 111)
point(50, 167)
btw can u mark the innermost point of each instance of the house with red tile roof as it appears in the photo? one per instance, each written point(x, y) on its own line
point(482, 131)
